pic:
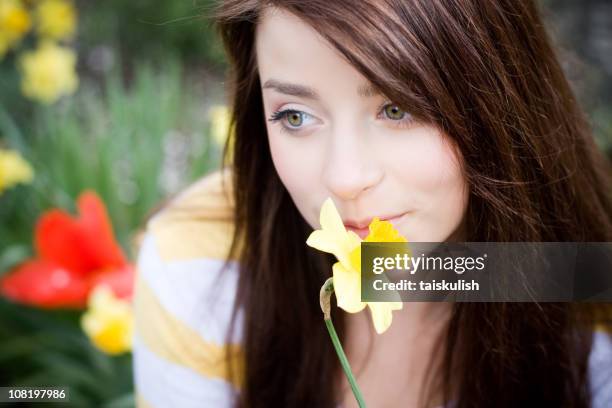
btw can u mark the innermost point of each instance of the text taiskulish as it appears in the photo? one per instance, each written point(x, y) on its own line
point(433, 285)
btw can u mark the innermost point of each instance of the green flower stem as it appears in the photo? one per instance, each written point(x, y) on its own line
point(325, 299)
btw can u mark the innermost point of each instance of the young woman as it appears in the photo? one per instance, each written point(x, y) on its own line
point(454, 121)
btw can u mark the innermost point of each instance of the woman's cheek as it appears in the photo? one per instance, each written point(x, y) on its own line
point(433, 182)
point(297, 166)
point(446, 190)
point(282, 158)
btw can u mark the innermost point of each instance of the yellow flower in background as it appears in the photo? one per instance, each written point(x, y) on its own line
point(49, 72)
point(13, 169)
point(220, 118)
point(108, 321)
point(14, 23)
point(56, 19)
point(334, 238)
point(219, 123)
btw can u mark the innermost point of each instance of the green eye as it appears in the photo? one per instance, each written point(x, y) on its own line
point(393, 112)
point(295, 119)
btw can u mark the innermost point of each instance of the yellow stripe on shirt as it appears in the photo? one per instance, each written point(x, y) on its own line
point(141, 402)
point(173, 340)
point(199, 222)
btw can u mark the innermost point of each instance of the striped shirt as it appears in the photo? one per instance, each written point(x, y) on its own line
point(183, 305)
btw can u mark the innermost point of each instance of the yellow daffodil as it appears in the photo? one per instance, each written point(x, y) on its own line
point(345, 245)
point(14, 23)
point(219, 123)
point(56, 19)
point(13, 169)
point(108, 321)
point(220, 118)
point(48, 72)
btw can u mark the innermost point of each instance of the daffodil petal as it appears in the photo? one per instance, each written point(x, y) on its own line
point(347, 286)
point(330, 219)
point(108, 321)
point(382, 315)
point(333, 237)
point(350, 252)
point(351, 240)
point(354, 259)
point(323, 241)
point(341, 245)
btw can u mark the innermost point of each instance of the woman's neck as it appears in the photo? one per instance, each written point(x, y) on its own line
point(405, 358)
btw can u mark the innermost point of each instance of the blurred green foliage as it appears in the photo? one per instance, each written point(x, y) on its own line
point(137, 131)
point(144, 29)
point(134, 144)
point(47, 348)
point(582, 33)
point(123, 142)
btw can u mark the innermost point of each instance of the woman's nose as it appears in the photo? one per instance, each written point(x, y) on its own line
point(350, 166)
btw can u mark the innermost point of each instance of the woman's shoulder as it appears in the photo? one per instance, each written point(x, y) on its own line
point(183, 252)
point(600, 368)
point(184, 297)
point(198, 222)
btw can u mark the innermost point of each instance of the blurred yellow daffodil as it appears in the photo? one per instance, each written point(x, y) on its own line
point(48, 72)
point(13, 169)
point(219, 123)
point(56, 19)
point(108, 321)
point(14, 23)
point(220, 127)
point(334, 238)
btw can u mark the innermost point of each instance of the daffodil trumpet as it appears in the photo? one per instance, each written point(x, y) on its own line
point(334, 238)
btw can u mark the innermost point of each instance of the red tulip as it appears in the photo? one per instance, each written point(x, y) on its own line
point(74, 255)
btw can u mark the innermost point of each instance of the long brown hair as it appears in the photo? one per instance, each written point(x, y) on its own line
point(485, 73)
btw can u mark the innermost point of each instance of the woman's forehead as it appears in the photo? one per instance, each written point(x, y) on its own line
point(290, 52)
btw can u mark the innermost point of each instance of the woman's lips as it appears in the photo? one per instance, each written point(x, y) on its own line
point(363, 232)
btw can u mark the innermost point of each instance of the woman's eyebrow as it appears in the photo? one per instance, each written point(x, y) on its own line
point(291, 89)
point(367, 91)
point(287, 88)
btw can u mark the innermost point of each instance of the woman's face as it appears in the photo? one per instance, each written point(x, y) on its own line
point(331, 135)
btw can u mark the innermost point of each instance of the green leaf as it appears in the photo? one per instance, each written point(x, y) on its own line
point(13, 255)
